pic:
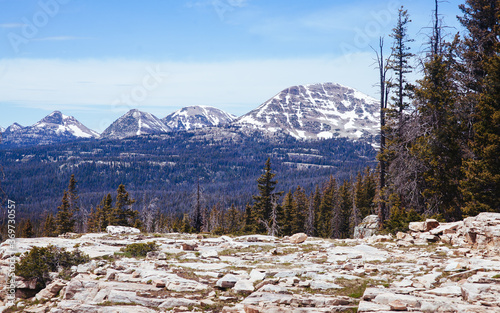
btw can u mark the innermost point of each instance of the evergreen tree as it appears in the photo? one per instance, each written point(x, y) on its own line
point(300, 206)
point(344, 210)
point(49, 227)
point(122, 213)
point(233, 220)
point(27, 230)
point(438, 145)
point(248, 220)
point(64, 218)
point(197, 219)
point(309, 225)
point(317, 199)
point(102, 215)
point(285, 220)
point(264, 201)
point(326, 225)
point(73, 202)
point(185, 225)
point(480, 53)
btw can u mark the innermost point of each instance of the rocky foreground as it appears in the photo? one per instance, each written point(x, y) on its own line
point(452, 267)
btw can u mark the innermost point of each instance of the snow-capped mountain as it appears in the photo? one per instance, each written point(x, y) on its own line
point(13, 128)
point(135, 123)
point(2, 129)
point(60, 123)
point(194, 117)
point(317, 111)
point(55, 127)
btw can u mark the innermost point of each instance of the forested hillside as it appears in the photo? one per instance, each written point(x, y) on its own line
point(168, 167)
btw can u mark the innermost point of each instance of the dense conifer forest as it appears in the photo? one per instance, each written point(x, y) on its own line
point(438, 157)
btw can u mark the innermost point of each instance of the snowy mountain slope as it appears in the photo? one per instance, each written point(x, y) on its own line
point(197, 117)
point(135, 123)
point(55, 127)
point(317, 111)
point(2, 129)
point(60, 123)
point(13, 128)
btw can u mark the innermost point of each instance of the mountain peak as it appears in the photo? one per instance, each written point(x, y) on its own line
point(198, 116)
point(134, 123)
point(59, 123)
point(315, 111)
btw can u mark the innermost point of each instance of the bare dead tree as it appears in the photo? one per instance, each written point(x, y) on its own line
point(384, 95)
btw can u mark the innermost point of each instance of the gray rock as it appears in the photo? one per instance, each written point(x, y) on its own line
point(368, 227)
point(298, 238)
point(228, 281)
point(120, 230)
point(244, 285)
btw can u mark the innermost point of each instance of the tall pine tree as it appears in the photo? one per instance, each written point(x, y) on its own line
point(265, 200)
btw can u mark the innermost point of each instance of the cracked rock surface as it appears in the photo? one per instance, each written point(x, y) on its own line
point(414, 272)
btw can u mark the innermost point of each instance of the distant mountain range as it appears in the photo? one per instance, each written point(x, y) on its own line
point(318, 111)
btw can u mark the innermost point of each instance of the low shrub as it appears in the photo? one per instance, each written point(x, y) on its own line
point(39, 261)
point(139, 249)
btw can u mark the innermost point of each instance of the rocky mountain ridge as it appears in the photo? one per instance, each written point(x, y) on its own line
point(135, 123)
point(315, 111)
point(55, 127)
point(436, 267)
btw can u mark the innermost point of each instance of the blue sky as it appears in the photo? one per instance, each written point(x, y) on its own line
point(95, 60)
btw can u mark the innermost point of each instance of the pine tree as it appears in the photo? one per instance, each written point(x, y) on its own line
point(344, 210)
point(317, 199)
point(480, 51)
point(27, 230)
point(73, 202)
point(248, 220)
point(264, 201)
point(197, 219)
point(64, 218)
point(326, 225)
point(309, 225)
point(399, 63)
point(49, 227)
point(233, 220)
point(300, 206)
point(438, 145)
point(102, 215)
point(122, 213)
point(185, 225)
point(285, 220)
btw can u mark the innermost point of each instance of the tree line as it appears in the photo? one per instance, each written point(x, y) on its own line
point(332, 210)
point(440, 136)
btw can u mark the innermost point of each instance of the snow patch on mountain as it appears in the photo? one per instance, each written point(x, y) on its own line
point(194, 117)
point(135, 123)
point(317, 111)
point(59, 123)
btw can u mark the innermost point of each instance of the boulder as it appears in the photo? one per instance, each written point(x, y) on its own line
point(298, 238)
point(51, 290)
point(228, 281)
point(189, 246)
point(428, 225)
point(120, 230)
point(244, 285)
point(368, 227)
